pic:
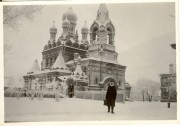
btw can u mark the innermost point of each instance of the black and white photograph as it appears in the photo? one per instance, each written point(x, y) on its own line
point(90, 62)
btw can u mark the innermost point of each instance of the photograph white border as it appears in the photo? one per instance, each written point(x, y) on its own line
point(87, 122)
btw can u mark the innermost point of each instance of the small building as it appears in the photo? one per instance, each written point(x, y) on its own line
point(168, 85)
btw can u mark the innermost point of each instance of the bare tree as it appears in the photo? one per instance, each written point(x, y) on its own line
point(9, 81)
point(149, 94)
point(147, 88)
point(13, 15)
point(143, 94)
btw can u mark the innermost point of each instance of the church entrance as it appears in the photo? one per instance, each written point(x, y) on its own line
point(70, 82)
point(106, 82)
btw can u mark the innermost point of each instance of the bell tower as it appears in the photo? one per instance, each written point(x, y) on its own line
point(102, 30)
point(102, 34)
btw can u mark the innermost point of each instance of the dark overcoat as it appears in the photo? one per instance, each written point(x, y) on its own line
point(111, 95)
point(71, 91)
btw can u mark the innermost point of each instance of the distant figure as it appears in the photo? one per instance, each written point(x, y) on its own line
point(39, 91)
point(71, 90)
point(60, 88)
point(57, 90)
point(18, 93)
point(111, 97)
point(65, 87)
point(33, 90)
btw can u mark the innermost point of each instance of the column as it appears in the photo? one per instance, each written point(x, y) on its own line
point(112, 39)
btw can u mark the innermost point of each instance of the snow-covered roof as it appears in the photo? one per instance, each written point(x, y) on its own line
point(59, 64)
point(93, 58)
point(50, 71)
point(78, 73)
point(35, 67)
point(63, 77)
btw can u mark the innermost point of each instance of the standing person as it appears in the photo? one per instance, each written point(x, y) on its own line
point(65, 87)
point(71, 90)
point(57, 90)
point(39, 91)
point(61, 90)
point(111, 97)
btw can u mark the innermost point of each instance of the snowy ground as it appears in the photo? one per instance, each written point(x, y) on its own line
point(74, 109)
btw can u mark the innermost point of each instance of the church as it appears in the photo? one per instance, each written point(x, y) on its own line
point(92, 64)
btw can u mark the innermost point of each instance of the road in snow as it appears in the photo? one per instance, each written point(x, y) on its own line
point(74, 109)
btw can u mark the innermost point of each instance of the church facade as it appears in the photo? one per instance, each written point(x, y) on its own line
point(95, 59)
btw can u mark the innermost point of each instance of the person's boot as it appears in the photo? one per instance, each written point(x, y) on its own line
point(112, 109)
point(108, 108)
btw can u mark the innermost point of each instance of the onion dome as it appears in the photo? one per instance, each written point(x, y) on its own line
point(66, 23)
point(45, 47)
point(85, 29)
point(71, 16)
point(53, 29)
point(54, 44)
point(58, 42)
point(82, 46)
point(68, 42)
point(75, 44)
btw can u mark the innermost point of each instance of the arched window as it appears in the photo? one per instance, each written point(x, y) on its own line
point(107, 39)
point(94, 33)
point(109, 34)
point(96, 37)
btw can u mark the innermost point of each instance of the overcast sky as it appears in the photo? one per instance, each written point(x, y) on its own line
point(143, 34)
